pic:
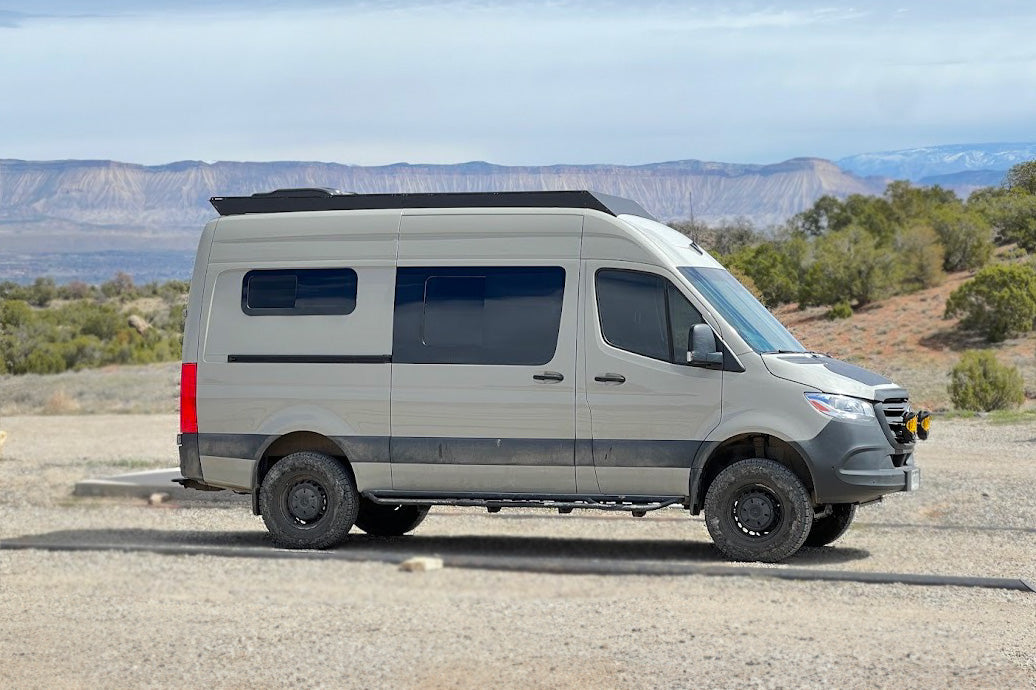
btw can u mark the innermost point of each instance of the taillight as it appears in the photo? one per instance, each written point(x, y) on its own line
point(189, 398)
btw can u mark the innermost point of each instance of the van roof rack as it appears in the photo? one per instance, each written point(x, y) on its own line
point(320, 199)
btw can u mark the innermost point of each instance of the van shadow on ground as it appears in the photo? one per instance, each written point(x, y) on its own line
point(394, 549)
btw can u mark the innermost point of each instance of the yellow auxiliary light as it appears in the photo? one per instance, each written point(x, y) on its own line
point(910, 422)
point(924, 423)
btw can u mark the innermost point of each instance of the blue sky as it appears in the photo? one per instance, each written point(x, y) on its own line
point(516, 83)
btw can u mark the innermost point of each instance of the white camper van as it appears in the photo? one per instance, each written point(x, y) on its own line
point(351, 360)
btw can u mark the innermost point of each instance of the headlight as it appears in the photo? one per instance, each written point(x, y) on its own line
point(841, 407)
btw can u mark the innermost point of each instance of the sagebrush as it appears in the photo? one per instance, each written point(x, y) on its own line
point(979, 382)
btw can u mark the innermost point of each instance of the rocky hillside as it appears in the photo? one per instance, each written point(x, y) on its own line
point(106, 204)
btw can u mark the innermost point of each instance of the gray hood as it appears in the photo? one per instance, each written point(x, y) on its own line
point(830, 375)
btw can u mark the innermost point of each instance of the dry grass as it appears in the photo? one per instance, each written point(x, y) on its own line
point(60, 402)
point(151, 388)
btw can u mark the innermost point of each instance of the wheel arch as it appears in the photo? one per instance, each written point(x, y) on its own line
point(714, 456)
point(294, 442)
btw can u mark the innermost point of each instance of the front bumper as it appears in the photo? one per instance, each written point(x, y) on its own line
point(880, 480)
point(856, 463)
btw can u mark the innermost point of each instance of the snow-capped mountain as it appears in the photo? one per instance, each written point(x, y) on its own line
point(929, 161)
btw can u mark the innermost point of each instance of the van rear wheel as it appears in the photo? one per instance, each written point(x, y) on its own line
point(382, 520)
point(308, 501)
point(758, 510)
point(830, 527)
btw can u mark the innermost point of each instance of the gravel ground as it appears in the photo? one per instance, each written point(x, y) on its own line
point(118, 619)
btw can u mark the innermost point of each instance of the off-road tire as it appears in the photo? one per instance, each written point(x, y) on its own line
point(389, 521)
point(830, 527)
point(758, 510)
point(308, 501)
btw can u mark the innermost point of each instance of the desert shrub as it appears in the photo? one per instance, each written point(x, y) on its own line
point(173, 290)
point(42, 292)
point(726, 238)
point(1010, 212)
point(747, 281)
point(840, 310)
point(910, 203)
point(102, 321)
point(774, 272)
point(121, 285)
point(1022, 177)
point(77, 289)
point(966, 237)
point(999, 302)
point(87, 332)
point(46, 359)
point(848, 265)
point(14, 312)
point(919, 257)
point(980, 382)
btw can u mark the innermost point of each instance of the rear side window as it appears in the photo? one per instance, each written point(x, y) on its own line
point(645, 314)
point(299, 292)
point(477, 315)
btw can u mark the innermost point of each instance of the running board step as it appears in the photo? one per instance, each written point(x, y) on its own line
point(494, 502)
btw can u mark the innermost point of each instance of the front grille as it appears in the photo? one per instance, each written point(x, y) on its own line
point(891, 413)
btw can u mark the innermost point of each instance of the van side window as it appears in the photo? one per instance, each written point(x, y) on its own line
point(645, 314)
point(299, 291)
point(477, 315)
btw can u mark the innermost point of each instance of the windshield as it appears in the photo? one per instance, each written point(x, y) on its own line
point(754, 322)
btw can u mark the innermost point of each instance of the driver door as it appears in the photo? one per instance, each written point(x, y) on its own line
point(649, 410)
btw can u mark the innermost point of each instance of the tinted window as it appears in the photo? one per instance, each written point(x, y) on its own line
point(477, 315)
point(681, 317)
point(645, 314)
point(454, 311)
point(632, 310)
point(299, 292)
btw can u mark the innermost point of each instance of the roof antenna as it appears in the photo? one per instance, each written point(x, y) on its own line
point(694, 229)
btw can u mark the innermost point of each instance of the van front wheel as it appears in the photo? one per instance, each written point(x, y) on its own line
point(308, 501)
point(758, 510)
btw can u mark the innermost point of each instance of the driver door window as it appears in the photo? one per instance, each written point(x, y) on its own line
point(645, 314)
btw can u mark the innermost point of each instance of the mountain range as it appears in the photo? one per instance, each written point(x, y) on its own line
point(108, 204)
point(93, 206)
point(932, 164)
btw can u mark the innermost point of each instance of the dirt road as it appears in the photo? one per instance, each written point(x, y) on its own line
point(124, 619)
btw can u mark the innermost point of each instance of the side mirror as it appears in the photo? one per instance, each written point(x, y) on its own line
point(703, 351)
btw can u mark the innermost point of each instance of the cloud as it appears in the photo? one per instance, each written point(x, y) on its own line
point(511, 82)
point(12, 20)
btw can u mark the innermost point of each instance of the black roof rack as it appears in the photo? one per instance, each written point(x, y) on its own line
point(320, 199)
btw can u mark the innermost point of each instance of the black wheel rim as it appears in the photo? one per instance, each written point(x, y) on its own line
point(757, 511)
point(306, 501)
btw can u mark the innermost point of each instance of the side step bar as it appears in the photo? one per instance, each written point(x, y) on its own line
point(638, 505)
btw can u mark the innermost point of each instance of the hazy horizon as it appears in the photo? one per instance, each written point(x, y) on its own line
point(417, 163)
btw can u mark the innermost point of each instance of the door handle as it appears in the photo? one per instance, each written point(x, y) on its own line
point(610, 378)
point(552, 376)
